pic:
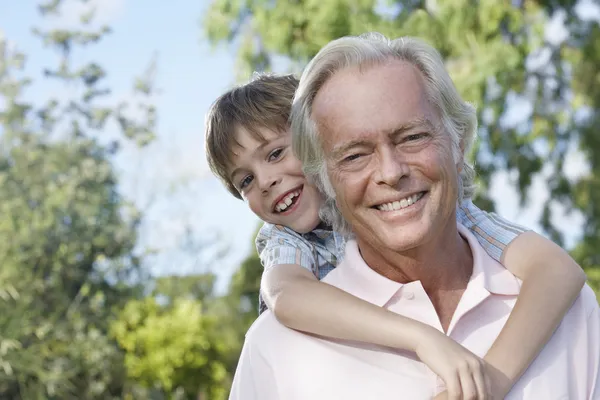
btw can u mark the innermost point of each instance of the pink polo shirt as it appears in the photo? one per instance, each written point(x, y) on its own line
point(278, 363)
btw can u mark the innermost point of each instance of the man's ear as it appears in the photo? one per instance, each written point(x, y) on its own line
point(460, 165)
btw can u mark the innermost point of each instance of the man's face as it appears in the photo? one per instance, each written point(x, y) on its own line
point(271, 181)
point(388, 158)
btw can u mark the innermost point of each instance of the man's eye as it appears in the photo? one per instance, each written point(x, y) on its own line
point(352, 157)
point(246, 181)
point(416, 136)
point(275, 154)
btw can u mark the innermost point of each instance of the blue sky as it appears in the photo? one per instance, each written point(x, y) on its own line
point(169, 180)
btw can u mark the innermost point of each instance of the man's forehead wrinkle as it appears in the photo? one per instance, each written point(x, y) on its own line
point(419, 122)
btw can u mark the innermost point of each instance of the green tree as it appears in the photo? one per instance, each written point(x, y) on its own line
point(173, 347)
point(496, 52)
point(236, 311)
point(67, 253)
point(179, 340)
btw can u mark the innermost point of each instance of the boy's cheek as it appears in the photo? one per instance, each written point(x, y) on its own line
point(256, 209)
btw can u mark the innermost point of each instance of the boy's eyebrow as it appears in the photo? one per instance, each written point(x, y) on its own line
point(416, 123)
point(256, 150)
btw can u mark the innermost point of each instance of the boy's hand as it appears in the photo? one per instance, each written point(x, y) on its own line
point(500, 384)
point(464, 373)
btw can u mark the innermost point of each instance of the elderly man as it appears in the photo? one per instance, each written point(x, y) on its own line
point(392, 128)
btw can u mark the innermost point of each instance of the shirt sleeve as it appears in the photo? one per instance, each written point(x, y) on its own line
point(277, 246)
point(254, 378)
point(493, 232)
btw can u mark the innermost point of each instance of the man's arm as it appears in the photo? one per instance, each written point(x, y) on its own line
point(254, 378)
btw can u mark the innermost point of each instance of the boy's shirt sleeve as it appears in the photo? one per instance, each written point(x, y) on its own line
point(278, 245)
point(493, 232)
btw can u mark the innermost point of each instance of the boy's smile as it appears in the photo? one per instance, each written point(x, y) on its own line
point(287, 202)
point(270, 179)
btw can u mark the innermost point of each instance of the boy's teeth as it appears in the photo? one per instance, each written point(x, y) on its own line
point(286, 201)
point(398, 205)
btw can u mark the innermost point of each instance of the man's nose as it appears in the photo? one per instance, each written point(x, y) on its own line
point(391, 168)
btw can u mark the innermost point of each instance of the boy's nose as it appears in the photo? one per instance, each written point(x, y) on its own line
point(268, 183)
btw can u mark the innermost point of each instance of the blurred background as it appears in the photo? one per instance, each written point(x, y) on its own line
point(128, 272)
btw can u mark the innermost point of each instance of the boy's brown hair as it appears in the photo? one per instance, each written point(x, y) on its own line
point(264, 102)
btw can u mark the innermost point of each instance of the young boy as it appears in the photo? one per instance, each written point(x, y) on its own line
point(248, 147)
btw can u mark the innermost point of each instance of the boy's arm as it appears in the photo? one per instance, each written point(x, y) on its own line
point(295, 295)
point(551, 283)
point(301, 302)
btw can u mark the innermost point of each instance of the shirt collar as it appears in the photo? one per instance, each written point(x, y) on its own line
point(487, 272)
point(354, 276)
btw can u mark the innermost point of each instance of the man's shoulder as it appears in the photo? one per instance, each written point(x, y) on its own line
point(588, 300)
point(267, 336)
point(264, 328)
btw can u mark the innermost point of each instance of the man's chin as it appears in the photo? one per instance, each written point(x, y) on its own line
point(406, 237)
point(404, 245)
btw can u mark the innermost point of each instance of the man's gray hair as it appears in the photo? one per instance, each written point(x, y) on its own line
point(458, 117)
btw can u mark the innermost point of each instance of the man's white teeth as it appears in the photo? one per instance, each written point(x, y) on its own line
point(398, 205)
point(286, 201)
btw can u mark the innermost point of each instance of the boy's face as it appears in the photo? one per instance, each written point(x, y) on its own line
point(270, 179)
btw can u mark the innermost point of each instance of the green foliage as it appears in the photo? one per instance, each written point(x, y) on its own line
point(79, 318)
point(174, 347)
point(198, 287)
point(60, 217)
point(68, 255)
point(496, 51)
point(238, 309)
point(245, 285)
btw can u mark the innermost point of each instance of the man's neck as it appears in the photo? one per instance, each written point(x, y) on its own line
point(443, 265)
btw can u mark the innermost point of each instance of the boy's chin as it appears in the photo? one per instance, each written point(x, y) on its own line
point(305, 225)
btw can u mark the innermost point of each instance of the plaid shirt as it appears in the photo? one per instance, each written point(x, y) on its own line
point(321, 250)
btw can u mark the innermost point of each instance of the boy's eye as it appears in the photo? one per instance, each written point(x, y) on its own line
point(275, 154)
point(246, 181)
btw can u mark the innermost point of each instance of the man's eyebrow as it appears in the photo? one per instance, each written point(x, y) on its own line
point(421, 122)
point(343, 148)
